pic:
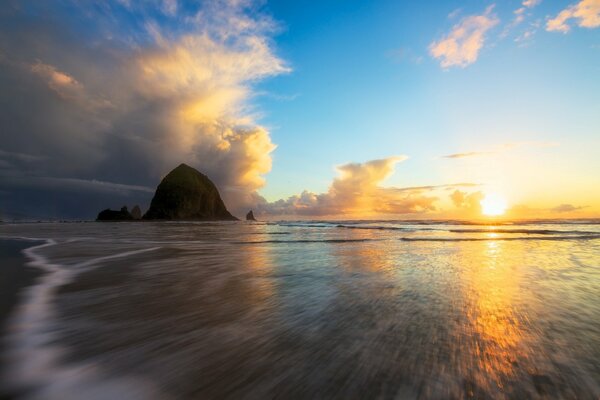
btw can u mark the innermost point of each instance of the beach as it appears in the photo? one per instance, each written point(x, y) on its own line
point(15, 275)
point(313, 309)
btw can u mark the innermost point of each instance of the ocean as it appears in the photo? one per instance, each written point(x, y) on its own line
point(305, 310)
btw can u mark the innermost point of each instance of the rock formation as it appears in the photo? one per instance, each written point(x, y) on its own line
point(136, 213)
point(250, 216)
point(186, 194)
point(112, 215)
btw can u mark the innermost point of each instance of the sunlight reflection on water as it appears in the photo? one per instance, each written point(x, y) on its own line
point(250, 310)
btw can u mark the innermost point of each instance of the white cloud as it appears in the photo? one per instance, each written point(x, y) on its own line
point(511, 146)
point(531, 3)
point(357, 191)
point(169, 7)
point(586, 13)
point(462, 45)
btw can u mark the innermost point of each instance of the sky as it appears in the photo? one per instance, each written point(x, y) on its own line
point(329, 109)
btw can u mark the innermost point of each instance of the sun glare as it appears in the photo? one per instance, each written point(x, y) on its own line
point(493, 205)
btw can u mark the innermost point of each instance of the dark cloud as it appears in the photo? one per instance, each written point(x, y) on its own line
point(99, 92)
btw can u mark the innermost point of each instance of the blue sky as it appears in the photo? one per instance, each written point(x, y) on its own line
point(363, 86)
point(323, 109)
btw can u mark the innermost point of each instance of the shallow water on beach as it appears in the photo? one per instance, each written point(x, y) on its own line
point(308, 310)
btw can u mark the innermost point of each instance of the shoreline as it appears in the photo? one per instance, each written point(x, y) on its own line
point(15, 276)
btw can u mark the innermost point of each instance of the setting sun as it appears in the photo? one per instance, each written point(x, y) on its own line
point(493, 205)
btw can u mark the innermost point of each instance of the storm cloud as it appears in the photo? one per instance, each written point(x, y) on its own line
point(103, 95)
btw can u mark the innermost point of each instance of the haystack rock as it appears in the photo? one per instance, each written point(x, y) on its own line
point(250, 216)
point(112, 215)
point(136, 213)
point(187, 194)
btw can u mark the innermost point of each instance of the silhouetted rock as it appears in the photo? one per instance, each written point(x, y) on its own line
point(250, 216)
point(136, 213)
point(187, 194)
point(112, 215)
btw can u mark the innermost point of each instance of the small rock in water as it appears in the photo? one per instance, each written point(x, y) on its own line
point(112, 215)
point(250, 216)
point(136, 213)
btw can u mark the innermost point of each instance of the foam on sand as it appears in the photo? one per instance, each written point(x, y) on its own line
point(35, 361)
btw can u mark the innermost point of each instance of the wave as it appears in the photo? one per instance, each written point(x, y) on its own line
point(421, 227)
point(332, 223)
point(488, 239)
point(33, 355)
point(308, 225)
point(524, 231)
point(308, 241)
point(391, 228)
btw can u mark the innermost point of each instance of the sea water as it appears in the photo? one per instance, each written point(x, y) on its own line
point(347, 309)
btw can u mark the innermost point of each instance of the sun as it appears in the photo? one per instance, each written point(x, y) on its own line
point(493, 205)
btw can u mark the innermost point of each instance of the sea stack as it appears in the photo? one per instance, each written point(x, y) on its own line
point(250, 216)
point(112, 215)
point(136, 213)
point(187, 194)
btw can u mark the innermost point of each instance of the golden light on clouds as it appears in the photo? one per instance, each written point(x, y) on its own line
point(586, 14)
point(462, 45)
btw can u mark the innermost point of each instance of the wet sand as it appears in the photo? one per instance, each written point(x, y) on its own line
point(14, 276)
point(197, 310)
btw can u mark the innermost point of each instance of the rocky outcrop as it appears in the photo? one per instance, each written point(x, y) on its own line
point(136, 213)
point(112, 215)
point(187, 194)
point(250, 216)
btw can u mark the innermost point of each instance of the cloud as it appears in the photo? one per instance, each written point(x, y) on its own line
point(468, 154)
point(169, 7)
point(469, 202)
point(525, 38)
point(23, 157)
point(357, 191)
point(126, 98)
point(462, 45)
point(67, 87)
point(502, 148)
point(73, 184)
point(566, 208)
point(520, 13)
point(437, 187)
point(586, 13)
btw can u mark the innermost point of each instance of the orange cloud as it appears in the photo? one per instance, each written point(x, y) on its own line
point(469, 202)
point(67, 87)
point(586, 13)
point(520, 13)
point(357, 191)
point(203, 85)
point(462, 45)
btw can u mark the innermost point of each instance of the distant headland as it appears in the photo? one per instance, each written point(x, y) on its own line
point(184, 194)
